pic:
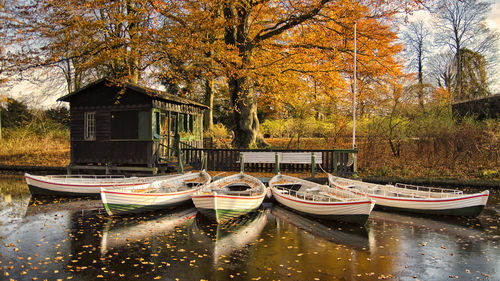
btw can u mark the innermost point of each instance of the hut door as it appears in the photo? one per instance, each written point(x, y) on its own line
point(171, 132)
point(164, 139)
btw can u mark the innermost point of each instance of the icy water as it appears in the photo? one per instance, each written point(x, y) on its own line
point(72, 239)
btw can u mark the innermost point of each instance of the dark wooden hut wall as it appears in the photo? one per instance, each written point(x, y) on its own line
point(124, 123)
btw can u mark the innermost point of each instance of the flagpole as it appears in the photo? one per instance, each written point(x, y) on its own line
point(354, 95)
point(355, 154)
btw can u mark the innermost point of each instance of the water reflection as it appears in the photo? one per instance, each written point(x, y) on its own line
point(54, 204)
point(222, 239)
point(14, 197)
point(13, 187)
point(121, 231)
point(354, 236)
point(459, 227)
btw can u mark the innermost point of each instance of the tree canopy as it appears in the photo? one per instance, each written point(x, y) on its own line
point(281, 54)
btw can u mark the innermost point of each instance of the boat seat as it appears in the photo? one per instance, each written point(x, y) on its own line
point(243, 192)
point(313, 189)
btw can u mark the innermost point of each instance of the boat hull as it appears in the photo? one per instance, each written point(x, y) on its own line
point(471, 205)
point(352, 212)
point(117, 203)
point(42, 191)
point(462, 205)
point(40, 185)
point(220, 208)
point(132, 200)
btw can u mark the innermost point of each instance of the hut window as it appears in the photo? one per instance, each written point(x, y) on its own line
point(191, 123)
point(89, 126)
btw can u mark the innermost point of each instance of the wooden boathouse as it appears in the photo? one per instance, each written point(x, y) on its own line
point(482, 108)
point(128, 127)
point(125, 128)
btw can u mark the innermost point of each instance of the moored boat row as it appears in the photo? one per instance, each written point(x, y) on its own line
point(229, 197)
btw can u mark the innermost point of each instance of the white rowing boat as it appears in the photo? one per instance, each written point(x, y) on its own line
point(83, 185)
point(160, 194)
point(229, 197)
point(319, 200)
point(417, 199)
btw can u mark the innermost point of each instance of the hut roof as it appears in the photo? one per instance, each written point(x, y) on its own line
point(152, 93)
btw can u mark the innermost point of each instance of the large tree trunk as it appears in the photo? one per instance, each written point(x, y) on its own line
point(421, 93)
point(246, 122)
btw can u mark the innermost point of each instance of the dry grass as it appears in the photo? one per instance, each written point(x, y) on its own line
point(460, 156)
point(34, 150)
point(469, 156)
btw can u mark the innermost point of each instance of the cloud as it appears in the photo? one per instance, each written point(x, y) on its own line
point(493, 20)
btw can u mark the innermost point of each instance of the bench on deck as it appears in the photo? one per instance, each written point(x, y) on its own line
point(310, 158)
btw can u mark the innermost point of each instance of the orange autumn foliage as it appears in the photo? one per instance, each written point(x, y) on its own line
point(286, 55)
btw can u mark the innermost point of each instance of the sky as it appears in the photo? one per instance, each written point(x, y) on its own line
point(494, 16)
point(45, 91)
point(493, 20)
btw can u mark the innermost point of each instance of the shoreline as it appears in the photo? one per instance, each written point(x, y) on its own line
point(445, 183)
point(21, 169)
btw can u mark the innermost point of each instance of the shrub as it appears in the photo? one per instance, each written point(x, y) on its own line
point(14, 114)
point(273, 128)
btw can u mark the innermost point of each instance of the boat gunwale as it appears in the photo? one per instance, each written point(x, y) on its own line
point(326, 191)
point(217, 195)
point(319, 203)
point(253, 192)
point(132, 192)
point(151, 194)
point(82, 185)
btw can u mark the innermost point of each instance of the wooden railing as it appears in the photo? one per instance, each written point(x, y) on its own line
point(334, 161)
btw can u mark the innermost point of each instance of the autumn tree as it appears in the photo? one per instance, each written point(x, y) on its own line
point(264, 50)
point(441, 70)
point(188, 46)
point(287, 43)
point(106, 38)
point(462, 27)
